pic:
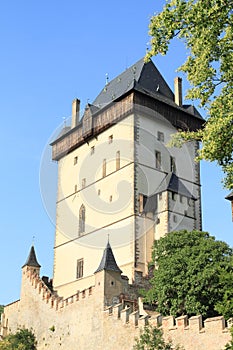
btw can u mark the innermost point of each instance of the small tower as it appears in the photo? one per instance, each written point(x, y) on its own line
point(108, 278)
point(32, 263)
point(33, 267)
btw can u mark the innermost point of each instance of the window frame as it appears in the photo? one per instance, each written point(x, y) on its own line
point(79, 268)
point(158, 160)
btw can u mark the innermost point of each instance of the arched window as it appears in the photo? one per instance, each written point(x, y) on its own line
point(82, 214)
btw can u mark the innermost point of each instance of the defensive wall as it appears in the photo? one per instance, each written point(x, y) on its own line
point(83, 321)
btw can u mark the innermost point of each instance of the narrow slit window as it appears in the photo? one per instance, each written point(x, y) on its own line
point(118, 160)
point(158, 160)
point(82, 219)
point(84, 182)
point(110, 139)
point(104, 167)
point(75, 160)
point(79, 273)
point(172, 164)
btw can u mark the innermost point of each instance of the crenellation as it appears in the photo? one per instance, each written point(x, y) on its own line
point(124, 314)
point(133, 318)
point(108, 310)
point(143, 321)
point(215, 324)
point(168, 322)
point(116, 310)
point(182, 322)
point(195, 323)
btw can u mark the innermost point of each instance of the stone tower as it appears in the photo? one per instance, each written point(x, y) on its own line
point(31, 265)
point(117, 176)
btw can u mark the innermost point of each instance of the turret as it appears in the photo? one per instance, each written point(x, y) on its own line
point(32, 263)
point(108, 278)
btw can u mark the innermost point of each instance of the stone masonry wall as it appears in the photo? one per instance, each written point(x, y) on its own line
point(81, 321)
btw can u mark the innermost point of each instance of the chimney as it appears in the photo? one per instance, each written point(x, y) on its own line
point(178, 91)
point(75, 112)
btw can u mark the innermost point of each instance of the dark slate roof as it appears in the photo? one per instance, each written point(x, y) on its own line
point(146, 75)
point(150, 204)
point(63, 131)
point(191, 109)
point(108, 262)
point(32, 260)
point(229, 196)
point(145, 78)
point(172, 183)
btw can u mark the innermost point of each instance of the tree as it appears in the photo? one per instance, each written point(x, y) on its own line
point(193, 275)
point(229, 346)
point(23, 339)
point(151, 338)
point(206, 28)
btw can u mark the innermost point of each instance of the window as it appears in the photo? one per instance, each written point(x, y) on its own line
point(84, 182)
point(160, 136)
point(110, 199)
point(174, 218)
point(181, 199)
point(82, 217)
point(189, 202)
point(172, 164)
point(173, 196)
point(75, 160)
point(118, 160)
point(104, 167)
point(99, 192)
point(185, 213)
point(110, 139)
point(79, 272)
point(92, 150)
point(158, 160)
point(160, 196)
point(75, 188)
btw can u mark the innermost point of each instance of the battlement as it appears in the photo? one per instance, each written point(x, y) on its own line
point(56, 320)
point(51, 297)
point(169, 323)
point(191, 333)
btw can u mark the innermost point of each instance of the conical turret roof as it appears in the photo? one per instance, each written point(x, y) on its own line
point(108, 262)
point(32, 260)
point(230, 196)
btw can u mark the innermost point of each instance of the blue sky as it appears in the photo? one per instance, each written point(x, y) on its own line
point(51, 52)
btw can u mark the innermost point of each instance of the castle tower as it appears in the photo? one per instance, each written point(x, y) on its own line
point(117, 176)
point(31, 266)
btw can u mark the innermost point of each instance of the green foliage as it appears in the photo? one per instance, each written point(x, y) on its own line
point(229, 346)
point(151, 338)
point(193, 275)
point(24, 339)
point(205, 26)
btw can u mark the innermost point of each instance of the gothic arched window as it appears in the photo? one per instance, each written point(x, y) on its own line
point(82, 214)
